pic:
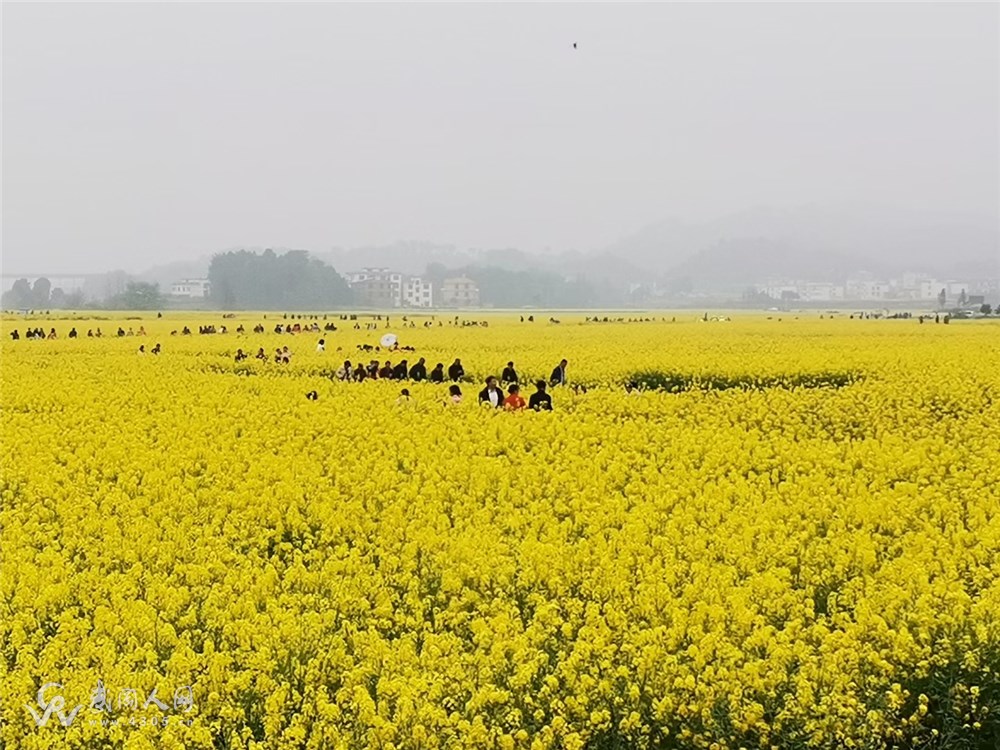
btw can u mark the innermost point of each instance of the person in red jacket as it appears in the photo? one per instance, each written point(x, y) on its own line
point(514, 400)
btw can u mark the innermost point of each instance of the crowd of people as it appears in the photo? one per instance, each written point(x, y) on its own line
point(39, 333)
point(417, 372)
point(491, 396)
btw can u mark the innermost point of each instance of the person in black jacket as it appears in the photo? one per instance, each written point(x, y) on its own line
point(456, 372)
point(509, 374)
point(437, 374)
point(540, 400)
point(491, 394)
point(399, 371)
point(559, 374)
point(419, 371)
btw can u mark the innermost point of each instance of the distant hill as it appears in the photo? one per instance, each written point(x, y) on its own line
point(168, 273)
point(816, 243)
point(810, 242)
point(737, 263)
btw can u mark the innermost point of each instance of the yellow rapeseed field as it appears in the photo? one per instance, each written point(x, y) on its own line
point(794, 544)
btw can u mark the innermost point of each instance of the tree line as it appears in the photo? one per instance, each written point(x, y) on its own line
point(292, 280)
point(40, 295)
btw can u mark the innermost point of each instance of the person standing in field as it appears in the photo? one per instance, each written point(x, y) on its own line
point(540, 400)
point(454, 394)
point(456, 372)
point(321, 346)
point(491, 394)
point(559, 374)
point(344, 371)
point(509, 374)
point(437, 374)
point(514, 400)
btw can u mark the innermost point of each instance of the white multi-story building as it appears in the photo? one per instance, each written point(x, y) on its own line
point(378, 286)
point(192, 288)
point(822, 292)
point(459, 291)
point(866, 289)
point(780, 290)
point(955, 288)
point(417, 292)
point(929, 288)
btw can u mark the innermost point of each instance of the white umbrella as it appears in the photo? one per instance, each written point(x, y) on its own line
point(389, 340)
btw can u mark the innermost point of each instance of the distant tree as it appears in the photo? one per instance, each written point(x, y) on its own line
point(985, 308)
point(243, 280)
point(40, 291)
point(756, 296)
point(18, 297)
point(138, 295)
point(436, 273)
point(962, 299)
point(942, 298)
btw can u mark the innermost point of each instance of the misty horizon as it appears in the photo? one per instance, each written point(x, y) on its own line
point(325, 126)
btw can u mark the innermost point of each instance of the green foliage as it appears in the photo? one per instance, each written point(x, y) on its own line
point(40, 295)
point(138, 295)
point(245, 280)
point(679, 381)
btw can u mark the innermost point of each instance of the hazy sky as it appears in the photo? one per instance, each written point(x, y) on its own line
point(138, 133)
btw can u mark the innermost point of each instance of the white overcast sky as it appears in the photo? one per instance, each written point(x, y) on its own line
point(137, 133)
